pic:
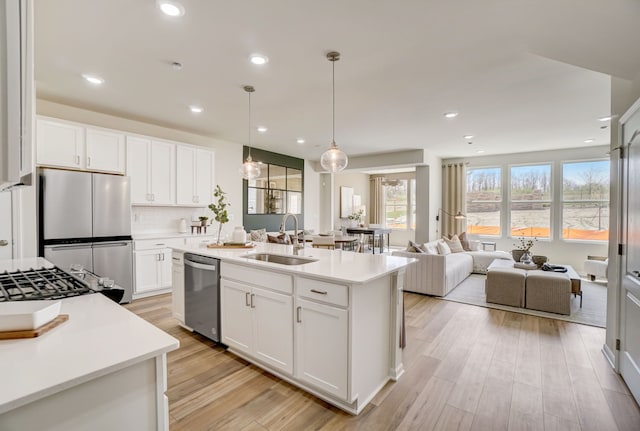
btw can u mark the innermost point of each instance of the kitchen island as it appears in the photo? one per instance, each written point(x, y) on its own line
point(330, 323)
point(103, 369)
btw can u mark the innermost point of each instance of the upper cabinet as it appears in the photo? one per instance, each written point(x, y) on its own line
point(70, 145)
point(195, 180)
point(152, 167)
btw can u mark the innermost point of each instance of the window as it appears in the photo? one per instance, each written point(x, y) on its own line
point(396, 204)
point(484, 201)
point(530, 205)
point(585, 200)
point(277, 190)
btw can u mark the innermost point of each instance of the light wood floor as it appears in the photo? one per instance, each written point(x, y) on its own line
point(467, 368)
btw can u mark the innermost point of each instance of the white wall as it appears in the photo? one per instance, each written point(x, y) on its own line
point(435, 189)
point(572, 253)
point(312, 193)
point(360, 185)
point(227, 161)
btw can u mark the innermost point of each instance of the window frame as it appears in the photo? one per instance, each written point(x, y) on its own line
point(502, 200)
point(550, 201)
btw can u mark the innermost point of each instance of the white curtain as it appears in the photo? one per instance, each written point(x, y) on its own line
point(454, 188)
point(376, 201)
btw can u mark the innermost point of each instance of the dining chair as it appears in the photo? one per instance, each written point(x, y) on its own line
point(327, 242)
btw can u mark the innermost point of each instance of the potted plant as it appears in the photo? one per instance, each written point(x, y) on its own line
point(522, 253)
point(219, 208)
point(356, 216)
point(203, 220)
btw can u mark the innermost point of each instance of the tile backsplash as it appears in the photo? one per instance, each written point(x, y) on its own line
point(163, 219)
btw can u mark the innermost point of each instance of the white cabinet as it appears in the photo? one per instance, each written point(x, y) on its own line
point(177, 277)
point(322, 341)
point(70, 145)
point(105, 150)
point(152, 264)
point(195, 176)
point(59, 144)
point(258, 321)
point(151, 166)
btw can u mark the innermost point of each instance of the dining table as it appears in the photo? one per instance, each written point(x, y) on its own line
point(373, 232)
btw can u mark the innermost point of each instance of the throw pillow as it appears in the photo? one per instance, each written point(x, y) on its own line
point(283, 238)
point(259, 235)
point(454, 244)
point(413, 247)
point(464, 241)
point(429, 248)
point(443, 248)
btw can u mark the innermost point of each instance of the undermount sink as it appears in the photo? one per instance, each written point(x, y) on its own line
point(278, 258)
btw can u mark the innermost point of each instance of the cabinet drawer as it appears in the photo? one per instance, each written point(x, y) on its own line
point(150, 244)
point(177, 257)
point(193, 240)
point(271, 280)
point(330, 293)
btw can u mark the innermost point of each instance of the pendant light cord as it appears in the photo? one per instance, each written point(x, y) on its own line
point(333, 85)
point(249, 156)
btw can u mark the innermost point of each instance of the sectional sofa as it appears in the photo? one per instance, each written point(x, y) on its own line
point(439, 274)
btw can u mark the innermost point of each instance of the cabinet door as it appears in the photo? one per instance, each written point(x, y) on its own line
point(138, 160)
point(322, 346)
point(163, 173)
point(59, 144)
point(235, 310)
point(105, 151)
point(164, 267)
point(185, 175)
point(273, 328)
point(147, 273)
point(204, 180)
point(177, 281)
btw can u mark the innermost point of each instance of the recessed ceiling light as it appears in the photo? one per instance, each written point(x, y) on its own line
point(450, 114)
point(480, 151)
point(468, 136)
point(258, 59)
point(588, 141)
point(196, 109)
point(300, 141)
point(605, 118)
point(261, 129)
point(93, 79)
point(171, 7)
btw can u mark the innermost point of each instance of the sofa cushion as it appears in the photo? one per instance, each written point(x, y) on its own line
point(454, 244)
point(414, 248)
point(443, 248)
point(464, 241)
point(482, 259)
point(283, 238)
point(429, 248)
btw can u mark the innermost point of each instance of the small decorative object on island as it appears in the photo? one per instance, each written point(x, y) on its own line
point(239, 236)
point(356, 217)
point(219, 208)
point(203, 220)
point(524, 249)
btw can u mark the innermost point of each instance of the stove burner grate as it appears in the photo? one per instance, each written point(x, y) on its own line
point(42, 283)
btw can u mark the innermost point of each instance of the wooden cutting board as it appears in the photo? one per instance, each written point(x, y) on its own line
point(32, 333)
point(230, 246)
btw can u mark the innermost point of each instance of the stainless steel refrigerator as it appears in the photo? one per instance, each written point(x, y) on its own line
point(85, 218)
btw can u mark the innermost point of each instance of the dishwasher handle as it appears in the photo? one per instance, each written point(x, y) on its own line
point(200, 266)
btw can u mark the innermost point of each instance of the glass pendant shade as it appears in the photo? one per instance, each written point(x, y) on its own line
point(334, 159)
point(249, 169)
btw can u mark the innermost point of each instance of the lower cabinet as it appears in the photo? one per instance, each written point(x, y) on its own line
point(258, 322)
point(177, 277)
point(322, 346)
point(153, 270)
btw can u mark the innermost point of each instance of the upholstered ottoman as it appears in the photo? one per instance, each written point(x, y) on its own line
point(548, 291)
point(506, 286)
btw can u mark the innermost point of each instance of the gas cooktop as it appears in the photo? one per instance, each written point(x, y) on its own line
point(42, 283)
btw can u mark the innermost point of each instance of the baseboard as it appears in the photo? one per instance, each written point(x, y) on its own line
point(610, 356)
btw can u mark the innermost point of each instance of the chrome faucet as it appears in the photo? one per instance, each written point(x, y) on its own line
point(296, 241)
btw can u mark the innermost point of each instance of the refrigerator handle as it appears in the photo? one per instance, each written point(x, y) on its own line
point(68, 247)
point(110, 244)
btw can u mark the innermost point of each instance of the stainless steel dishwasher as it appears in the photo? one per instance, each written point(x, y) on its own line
point(202, 295)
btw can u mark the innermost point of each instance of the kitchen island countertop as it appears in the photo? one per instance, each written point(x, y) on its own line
point(335, 265)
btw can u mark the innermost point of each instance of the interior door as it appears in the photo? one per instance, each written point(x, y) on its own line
point(630, 295)
point(6, 226)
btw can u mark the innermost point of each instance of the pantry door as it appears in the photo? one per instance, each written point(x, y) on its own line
point(630, 274)
point(6, 248)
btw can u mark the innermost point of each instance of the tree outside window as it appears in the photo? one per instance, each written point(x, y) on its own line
point(530, 201)
point(585, 200)
point(396, 204)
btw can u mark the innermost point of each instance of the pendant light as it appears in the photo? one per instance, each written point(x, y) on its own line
point(334, 159)
point(249, 169)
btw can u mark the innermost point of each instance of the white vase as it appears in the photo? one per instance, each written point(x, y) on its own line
point(239, 235)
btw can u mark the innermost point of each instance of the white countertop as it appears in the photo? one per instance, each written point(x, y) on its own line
point(99, 338)
point(335, 265)
point(160, 235)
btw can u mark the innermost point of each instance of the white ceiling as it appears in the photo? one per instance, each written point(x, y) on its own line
point(502, 64)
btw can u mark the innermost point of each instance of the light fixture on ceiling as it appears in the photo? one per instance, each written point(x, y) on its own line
point(196, 109)
point(450, 114)
point(300, 141)
point(589, 141)
point(258, 59)
point(467, 137)
point(96, 80)
point(171, 7)
point(480, 151)
point(261, 129)
point(605, 118)
point(334, 159)
point(249, 169)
